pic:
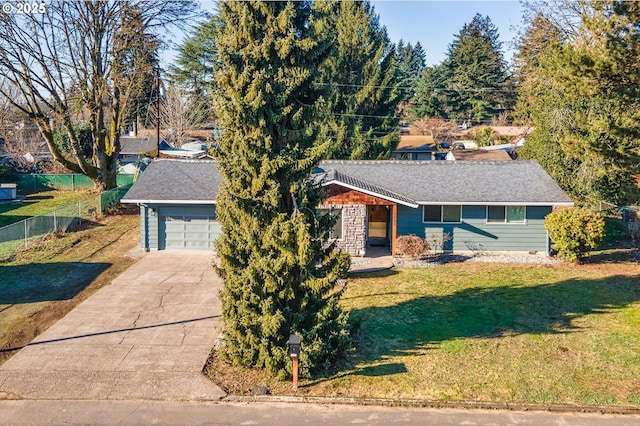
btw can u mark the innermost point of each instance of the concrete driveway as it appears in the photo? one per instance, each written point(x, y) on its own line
point(146, 336)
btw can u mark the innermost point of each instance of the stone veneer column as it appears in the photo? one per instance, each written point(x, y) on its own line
point(354, 227)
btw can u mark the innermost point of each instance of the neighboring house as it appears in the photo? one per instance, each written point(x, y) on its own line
point(477, 155)
point(133, 147)
point(493, 206)
point(415, 147)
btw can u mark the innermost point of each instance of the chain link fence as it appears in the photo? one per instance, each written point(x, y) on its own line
point(26, 232)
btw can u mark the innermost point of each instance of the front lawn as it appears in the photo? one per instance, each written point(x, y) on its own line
point(565, 334)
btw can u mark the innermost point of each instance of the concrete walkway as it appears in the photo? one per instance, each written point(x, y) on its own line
point(377, 259)
point(146, 336)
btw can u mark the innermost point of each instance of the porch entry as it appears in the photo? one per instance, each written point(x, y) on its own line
point(378, 226)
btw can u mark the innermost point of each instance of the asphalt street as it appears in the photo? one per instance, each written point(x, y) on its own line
point(31, 412)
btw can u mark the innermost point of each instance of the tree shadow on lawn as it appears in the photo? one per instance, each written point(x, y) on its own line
point(481, 312)
point(41, 282)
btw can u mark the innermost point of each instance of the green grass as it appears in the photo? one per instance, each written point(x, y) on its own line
point(37, 204)
point(495, 333)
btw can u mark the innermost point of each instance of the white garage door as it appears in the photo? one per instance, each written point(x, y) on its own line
point(188, 229)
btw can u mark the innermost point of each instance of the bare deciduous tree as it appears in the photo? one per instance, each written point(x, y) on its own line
point(181, 111)
point(439, 129)
point(84, 61)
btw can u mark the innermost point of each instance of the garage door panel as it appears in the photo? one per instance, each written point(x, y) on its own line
point(196, 228)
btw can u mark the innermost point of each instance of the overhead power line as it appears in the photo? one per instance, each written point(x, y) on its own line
point(414, 88)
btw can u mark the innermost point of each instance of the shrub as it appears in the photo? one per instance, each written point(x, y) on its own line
point(435, 241)
point(574, 232)
point(614, 231)
point(410, 245)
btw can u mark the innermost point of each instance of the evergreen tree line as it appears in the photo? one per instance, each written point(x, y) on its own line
point(373, 84)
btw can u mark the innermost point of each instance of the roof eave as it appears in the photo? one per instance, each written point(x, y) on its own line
point(499, 203)
point(190, 202)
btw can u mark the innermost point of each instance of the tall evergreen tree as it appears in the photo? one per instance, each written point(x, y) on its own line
point(279, 276)
point(432, 93)
point(361, 72)
point(144, 58)
point(196, 57)
point(411, 62)
point(476, 72)
point(192, 71)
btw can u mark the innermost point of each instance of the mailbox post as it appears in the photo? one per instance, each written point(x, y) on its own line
point(294, 353)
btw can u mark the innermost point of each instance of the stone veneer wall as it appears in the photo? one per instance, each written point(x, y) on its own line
point(354, 227)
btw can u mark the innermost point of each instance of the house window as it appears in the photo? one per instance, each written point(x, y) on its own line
point(336, 232)
point(505, 214)
point(442, 214)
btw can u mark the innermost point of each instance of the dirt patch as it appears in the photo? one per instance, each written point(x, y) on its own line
point(242, 381)
point(44, 282)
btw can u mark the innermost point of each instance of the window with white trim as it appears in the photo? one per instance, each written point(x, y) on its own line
point(336, 232)
point(505, 214)
point(441, 213)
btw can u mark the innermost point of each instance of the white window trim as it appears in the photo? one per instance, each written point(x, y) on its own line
point(441, 213)
point(505, 222)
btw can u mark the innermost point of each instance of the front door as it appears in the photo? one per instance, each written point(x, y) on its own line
point(378, 226)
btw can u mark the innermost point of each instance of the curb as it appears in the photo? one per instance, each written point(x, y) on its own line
point(419, 403)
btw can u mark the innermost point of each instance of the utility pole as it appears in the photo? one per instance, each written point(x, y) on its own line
point(157, 112)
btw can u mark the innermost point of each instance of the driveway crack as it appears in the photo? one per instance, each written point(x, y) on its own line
point(135, 321)
point(161, 305)
point(184, 334)
point(168, 278)
point(126, 355)
point(4, 381)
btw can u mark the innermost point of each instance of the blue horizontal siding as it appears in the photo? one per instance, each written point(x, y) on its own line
point(148, 228)
point(473, 233)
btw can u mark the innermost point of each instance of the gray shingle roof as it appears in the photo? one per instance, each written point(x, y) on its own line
point(519, 181)
point(176, 180)
point(410, 182)
point(135, 146)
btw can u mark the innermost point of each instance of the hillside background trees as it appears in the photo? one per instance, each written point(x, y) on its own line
point(579, 89)
point(574, 79)
point(362, 75)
